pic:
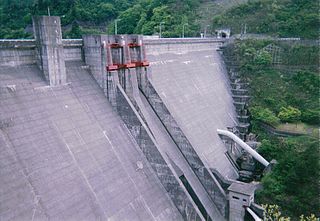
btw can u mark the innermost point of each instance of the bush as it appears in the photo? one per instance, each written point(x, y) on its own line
point(272, 212)
point(264, 115)
point(311, 117)
point(293, 182)
point(289, 114)
point(263, 58)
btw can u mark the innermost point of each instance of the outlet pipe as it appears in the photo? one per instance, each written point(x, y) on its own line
point(245, 146)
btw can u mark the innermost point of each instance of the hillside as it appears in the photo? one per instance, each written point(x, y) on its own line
point(283, 18)
point(211, 8)
point(285, 89)
point(97, 16)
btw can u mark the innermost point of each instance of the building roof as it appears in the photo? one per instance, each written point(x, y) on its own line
point(243, 188)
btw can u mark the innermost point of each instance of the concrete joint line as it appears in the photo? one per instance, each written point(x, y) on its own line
point(81, 171)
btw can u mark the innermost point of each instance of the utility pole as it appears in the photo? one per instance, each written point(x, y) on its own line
point(49, 11)
point(183, 29)
point(116, 26)
point(160, 34)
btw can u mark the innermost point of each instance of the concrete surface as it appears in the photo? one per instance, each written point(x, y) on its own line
point(194, 88)
point(167, 144)
point(66, 155)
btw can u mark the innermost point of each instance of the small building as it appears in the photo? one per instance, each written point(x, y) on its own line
point(241, 195)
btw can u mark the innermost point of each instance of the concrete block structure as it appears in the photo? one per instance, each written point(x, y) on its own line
point(241, 196)
point(47, 32)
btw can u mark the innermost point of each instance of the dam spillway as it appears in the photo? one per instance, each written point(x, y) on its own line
point(193, 84)
point(138, 143)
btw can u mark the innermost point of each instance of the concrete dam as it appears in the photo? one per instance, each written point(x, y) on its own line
point(120, 128)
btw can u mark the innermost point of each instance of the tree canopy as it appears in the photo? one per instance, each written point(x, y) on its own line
point(284, 18)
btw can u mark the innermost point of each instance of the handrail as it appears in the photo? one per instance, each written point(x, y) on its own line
point(245, 146)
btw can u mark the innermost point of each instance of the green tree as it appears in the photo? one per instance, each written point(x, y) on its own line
point(311, 116)
point(75, 31)
point(129, 19)
point(273, 213)
point(289, 114)
point(105, 11)
point(293, 183)
point(264, 115)
point(311, 217)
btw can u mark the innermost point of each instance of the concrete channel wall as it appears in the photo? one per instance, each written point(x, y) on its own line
point(203, 173)
point(148, 146)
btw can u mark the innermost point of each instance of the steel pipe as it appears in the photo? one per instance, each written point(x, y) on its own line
point(245, 146)
point(253, 214)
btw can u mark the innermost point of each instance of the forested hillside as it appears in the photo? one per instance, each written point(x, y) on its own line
point(81, 16)
point(284, 95)
point(283, 18)
point(284, 84)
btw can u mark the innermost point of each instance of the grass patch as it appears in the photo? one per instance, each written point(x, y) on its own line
point(302, 128)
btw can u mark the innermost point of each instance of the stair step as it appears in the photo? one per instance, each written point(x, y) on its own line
point(239, 105)
point(239, 91)
point(243, 118)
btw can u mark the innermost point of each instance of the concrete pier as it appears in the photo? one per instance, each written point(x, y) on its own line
point(50, 54)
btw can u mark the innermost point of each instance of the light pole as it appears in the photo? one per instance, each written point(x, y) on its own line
point(160, 34)
point(183, 29)
point(116, 26)
point(205, 31)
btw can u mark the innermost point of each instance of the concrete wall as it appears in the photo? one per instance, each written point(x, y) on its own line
point(73, 50)
point(237, 204)
point(15, 52)
point(22, 51)
point(179, 46)
point(93, 57)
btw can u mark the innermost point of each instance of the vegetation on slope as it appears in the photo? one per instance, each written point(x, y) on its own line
point(283, 18)
point(81, 16)
point(282, 95)
point(279, 96)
